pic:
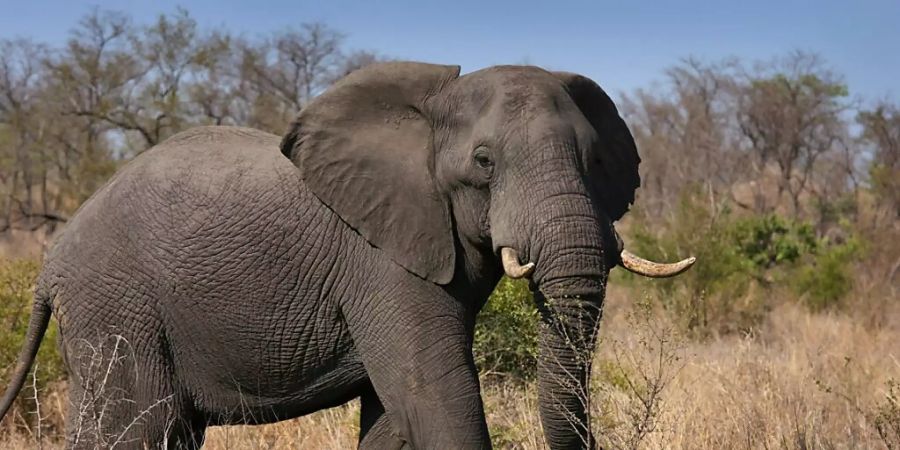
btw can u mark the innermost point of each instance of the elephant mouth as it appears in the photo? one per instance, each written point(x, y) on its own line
point(631, 262)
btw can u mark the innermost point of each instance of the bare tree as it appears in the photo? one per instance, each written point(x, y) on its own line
point(790, 113)
point(881, 131)
point(89, 79)
point(167, 51)
point(130, 79)
point(21, 134)
point(684, 133)
point(284, 72)
point(215, 85)
point(354, 61)
point(69, 115)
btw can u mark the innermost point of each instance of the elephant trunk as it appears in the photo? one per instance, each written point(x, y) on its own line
point(574, 250)
point(568, 334)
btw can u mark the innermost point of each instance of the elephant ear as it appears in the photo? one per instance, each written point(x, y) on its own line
point(615, 154)
point(364, 148)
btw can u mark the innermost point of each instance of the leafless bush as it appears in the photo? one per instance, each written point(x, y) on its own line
point(630, 386)
point(626, 399)
point(104, 370)
point(887, 417)
point(883, 416)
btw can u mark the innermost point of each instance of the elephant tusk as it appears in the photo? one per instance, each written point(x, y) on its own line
point(641, 266)
point(511, 264)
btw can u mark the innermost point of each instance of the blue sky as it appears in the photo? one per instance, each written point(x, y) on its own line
point(622, 45)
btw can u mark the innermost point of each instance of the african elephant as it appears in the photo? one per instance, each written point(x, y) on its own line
point(217, 280)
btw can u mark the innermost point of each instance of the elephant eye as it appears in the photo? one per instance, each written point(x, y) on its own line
point(482, 159)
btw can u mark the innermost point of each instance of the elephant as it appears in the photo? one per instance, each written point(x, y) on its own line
point(231, 276)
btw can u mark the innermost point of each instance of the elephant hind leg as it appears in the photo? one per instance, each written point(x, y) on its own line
point(124, 396)
point(163, 420)
point(102, 392)
point(159, 422)
point(164, 415)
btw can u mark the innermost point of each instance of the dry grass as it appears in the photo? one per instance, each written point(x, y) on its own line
point(807, 382)
point(802, 381)
point(332, 428)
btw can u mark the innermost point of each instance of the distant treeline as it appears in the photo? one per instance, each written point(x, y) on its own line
point(779, 136)
point(783, 136)
point(70, 114)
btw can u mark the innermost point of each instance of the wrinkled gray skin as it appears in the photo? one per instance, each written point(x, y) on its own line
point(251, 287)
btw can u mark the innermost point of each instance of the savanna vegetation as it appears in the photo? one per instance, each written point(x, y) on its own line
point(783, 182)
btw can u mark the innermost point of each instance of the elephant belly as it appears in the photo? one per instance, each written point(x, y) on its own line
point(283, 398)
point(265, 365)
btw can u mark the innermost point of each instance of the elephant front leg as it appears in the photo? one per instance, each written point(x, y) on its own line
point(376, 432)
point(414, 347)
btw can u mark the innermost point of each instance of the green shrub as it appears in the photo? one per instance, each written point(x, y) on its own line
point(16, 281)
point(506, 335)
point(770, 240)
point(612, 373)
point(715, 295)
point(740, 261)
point(788, 252)
point(826, 277)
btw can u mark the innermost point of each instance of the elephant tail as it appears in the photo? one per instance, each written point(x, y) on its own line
point(40, 318)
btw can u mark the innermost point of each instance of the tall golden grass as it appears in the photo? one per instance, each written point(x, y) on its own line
point(802, 380)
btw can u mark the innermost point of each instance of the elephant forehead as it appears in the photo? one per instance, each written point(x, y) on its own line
point(515, 87)
point(513, 74)
point(514, 97)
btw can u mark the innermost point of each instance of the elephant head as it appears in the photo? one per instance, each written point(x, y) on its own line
point(521, 164)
